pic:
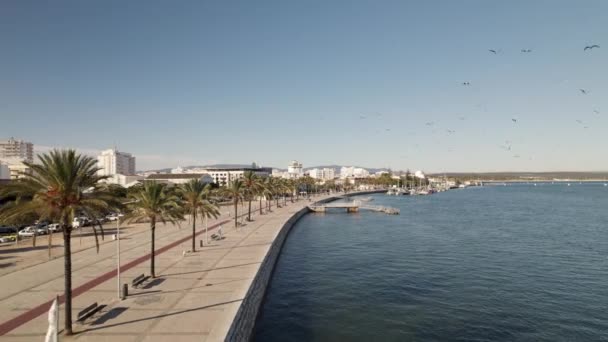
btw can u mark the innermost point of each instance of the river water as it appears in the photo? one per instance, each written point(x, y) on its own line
point(495, 263)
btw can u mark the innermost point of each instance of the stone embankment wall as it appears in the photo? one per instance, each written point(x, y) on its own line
point(244, 322)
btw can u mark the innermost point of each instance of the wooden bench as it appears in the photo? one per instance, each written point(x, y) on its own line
point(138, 280)
point(88, 312)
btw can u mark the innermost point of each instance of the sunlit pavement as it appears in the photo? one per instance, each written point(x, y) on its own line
point(194, 297)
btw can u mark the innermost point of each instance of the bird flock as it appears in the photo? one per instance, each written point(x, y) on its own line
point(507, 145)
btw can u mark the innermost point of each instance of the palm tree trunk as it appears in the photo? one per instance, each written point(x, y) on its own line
point(261, 205)
point(152, 231)
point(249, 217)
point(67, 278)
point(193, 230)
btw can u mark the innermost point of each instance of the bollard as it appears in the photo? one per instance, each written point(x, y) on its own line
point(125, 291)
point(201, 243)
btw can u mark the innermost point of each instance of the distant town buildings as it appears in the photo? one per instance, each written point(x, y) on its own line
point(112, 162)
point(326, 173)
point(13, 154)
point(17, 149)
point(179, 178)
point(353, 172)
point(219, 175)
point(294, 170)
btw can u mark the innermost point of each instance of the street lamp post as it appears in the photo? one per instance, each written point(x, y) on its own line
point(118, 251)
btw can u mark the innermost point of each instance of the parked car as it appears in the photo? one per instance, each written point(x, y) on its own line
point(27, 231)
point(54, 227)
point(80, 222)
point(6, 230)
point(8, 238)
point(114, 217)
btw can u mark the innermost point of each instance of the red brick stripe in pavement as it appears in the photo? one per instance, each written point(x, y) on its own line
point(43, 308)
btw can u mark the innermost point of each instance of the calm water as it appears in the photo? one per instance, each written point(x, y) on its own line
point(515, 263)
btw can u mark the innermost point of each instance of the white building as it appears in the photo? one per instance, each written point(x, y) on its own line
point(17, 149)
point(225, 176)
point(113, 162)
point(294, 170)
point(351, 171)
point(126, 181)
point(323, 174)
point(179, 178)
point(178, 170)
point(16, 167)
point(5, 172)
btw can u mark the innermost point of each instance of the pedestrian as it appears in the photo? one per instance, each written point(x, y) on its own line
point(219, 231)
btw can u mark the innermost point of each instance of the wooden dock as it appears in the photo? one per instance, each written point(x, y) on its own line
point(352, 207)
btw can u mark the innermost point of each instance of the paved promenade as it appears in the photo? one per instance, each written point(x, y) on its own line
point(194, 297)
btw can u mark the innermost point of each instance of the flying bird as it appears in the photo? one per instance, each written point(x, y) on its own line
point(514, 120)
point(388, 129)
point(431, 123)
point(450, 131)
point(579, 121)
point(492, 51)
point(526, 50)
point(583, 91)
point(462, 118)
point(466, 83)
point(596, 111)
point(591, 47)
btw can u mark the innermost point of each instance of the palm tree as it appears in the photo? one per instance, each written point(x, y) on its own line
point(154, 202)
point(251, 182)
point(235, 191)
point(62, 185)
point(196, 197)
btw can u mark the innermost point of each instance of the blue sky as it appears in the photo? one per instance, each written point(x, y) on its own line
point(196, 82)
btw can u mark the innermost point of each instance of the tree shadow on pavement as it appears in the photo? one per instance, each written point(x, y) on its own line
point(28, 248)
point(109, 326)
point(154, 282)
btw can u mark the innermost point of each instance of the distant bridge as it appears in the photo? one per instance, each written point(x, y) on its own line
point(352, 207)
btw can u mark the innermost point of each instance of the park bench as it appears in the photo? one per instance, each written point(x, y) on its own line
point(89, 311)
point(138, 280)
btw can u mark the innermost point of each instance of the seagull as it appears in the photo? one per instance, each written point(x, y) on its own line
point(388, 129)
point(579, 121)
point(429, 123)
point(466, 83)
point(526, 50)
point(492, 51)
point(585, 92)
point(514, 120)
point(462, 118)
point(591, 47)
point(596, 111)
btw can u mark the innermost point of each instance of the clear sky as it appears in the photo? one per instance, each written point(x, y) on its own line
point(370, 83)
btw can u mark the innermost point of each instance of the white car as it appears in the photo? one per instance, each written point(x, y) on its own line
point(114, 217)
point(54, 227)
point(27, 231)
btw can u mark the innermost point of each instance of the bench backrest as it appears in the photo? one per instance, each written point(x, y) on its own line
point(87, 310)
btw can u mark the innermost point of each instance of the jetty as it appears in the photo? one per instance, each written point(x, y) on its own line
point(352, 207)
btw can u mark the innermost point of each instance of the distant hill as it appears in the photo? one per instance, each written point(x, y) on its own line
point(523, 176)
point(216, 166)
point(336, 167)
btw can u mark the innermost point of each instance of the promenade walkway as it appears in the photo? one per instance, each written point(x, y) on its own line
point(194, 297)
